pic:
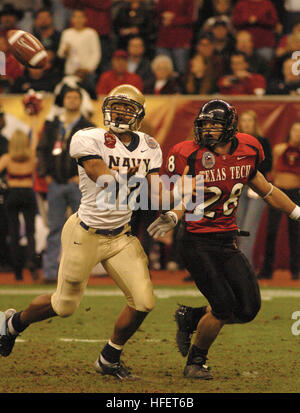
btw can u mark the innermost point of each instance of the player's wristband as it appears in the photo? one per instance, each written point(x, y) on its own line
point(295, 214)
point(173, 216)
point(269, 193)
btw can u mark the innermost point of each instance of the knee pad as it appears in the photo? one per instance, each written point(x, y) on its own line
point(66, 299)
point(246, 317)
point(143, 300)
point(222, 316)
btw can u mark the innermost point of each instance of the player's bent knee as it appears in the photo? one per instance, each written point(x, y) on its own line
point(222, 316)
point(146, 306)
point(66, 309)
point(246, 317)
point(66, 300)
point(145, 303)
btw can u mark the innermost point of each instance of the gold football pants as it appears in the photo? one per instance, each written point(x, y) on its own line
point(121, 255)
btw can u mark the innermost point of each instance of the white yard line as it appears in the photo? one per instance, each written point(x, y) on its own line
point(266, 294)
point(86, 340)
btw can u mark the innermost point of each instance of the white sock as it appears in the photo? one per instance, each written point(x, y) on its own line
point(11, 330)
point(116, 346)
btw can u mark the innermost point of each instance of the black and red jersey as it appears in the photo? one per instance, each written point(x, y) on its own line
point(289, 160)
point(225, 176)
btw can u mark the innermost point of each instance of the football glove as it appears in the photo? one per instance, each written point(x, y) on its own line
point(163, 224)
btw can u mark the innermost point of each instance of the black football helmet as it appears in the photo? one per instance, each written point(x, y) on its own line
point(215, 111)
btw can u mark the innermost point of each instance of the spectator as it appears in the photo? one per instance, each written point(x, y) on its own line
point(19, 163)
point(204, 10)
point(118, 75)
point(286, 176)
point(259, 17)
point(257, 64)
point(292, 8)
point(165, 82)
point(292, 45)
point(44, 79)
point(28, 9)
point(13, 69)
point(175, 31)
point(61, 174)
point(5, 263)
point(80, 46)
point(222, 9)
point(241, 81)
point(9, 18)
point(135, 18)
point(215, 62)
point(198, 80)
point(44, 31)
point(251, 206)
point(98, 14)
point(282, 47)
point(138, 63)
point(71, 82)
point(290, 85)
point(223, 40)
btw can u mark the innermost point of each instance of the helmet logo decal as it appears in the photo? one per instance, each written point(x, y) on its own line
point(110, 140)
point(208, 160)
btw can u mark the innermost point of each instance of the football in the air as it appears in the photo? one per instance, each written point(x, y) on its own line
point(27, 49)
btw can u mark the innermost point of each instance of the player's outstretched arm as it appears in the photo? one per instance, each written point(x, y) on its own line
point(167, 221)
point(274, 196)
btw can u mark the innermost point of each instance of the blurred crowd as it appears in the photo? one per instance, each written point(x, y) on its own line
point(160, 46)
point(232, 47)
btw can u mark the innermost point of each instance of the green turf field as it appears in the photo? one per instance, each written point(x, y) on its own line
point(57, 356)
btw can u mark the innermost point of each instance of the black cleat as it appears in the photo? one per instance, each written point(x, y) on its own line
point(185, 330)
point(117, 370)
point(195, 367)
point(197, 371)
point(7, 341)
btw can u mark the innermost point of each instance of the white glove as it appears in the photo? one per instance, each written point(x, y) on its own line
point(163, 224)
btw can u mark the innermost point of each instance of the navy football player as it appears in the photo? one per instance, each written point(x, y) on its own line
point(229, 160)
point(95, 234)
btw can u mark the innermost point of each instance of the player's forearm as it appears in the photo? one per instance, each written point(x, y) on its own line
point(279, 200)
point(95, 168)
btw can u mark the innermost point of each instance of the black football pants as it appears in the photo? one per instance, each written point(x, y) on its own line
point(222, 274)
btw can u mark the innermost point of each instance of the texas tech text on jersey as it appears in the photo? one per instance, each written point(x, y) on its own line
point(224, 175)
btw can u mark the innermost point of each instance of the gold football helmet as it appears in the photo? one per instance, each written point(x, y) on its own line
point(123, 109)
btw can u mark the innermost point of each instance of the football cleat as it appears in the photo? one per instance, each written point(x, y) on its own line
point(117, 370)
point(184, 329)
point(197, 370)
point(7, 340)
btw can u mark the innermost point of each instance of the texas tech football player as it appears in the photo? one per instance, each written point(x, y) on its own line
point(228, 160)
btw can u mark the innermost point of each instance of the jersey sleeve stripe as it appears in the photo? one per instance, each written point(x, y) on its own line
point(86, 158)
point(153, 170)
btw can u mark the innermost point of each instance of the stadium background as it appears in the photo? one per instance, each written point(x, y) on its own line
point(166, 120)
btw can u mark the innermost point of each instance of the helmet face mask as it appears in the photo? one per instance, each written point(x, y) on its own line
point(124, 109)
point(215, 124)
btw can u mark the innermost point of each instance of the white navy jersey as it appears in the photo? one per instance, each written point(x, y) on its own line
point(93, 143)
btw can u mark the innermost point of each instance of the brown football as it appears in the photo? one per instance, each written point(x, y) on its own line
point(27, 49)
